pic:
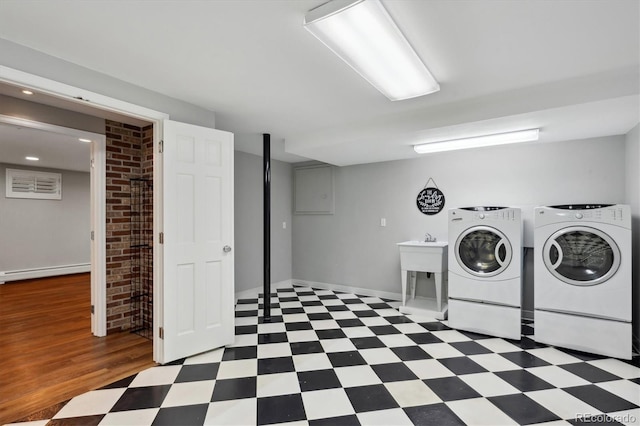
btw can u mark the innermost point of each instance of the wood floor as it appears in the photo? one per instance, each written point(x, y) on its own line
point(48, 352)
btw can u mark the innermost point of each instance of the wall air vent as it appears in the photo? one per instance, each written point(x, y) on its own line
point(33, 184)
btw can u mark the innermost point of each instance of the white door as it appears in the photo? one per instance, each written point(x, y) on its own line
point(198, 290)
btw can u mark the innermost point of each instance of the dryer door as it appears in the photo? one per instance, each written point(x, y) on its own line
point(483, 251)
point(581, 255)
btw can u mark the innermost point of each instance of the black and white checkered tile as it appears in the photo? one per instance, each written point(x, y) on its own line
point(330, 358)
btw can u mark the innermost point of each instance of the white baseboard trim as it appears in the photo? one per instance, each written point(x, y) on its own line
point(252, 293)
point(49, 271)
point(349, 289)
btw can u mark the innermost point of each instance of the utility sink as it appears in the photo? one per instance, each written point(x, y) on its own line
point(424, 256)
point(416, 243)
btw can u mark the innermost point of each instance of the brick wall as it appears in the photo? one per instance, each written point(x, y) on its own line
point(126, 159)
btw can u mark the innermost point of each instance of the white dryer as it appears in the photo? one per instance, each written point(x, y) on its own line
point(582, 278)
point(485, 270)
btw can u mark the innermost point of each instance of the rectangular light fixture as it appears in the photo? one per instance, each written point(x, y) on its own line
point(478, 141)
point(362, 34)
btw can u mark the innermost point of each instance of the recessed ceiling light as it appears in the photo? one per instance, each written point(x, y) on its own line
point(32, 158)
point(27, 92)
point(84, 140)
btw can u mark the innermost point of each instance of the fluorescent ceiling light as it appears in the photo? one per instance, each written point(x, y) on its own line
point(84, 140)
point(32, 158)
point(27, 92)
point(362, 34)
point(478, 141)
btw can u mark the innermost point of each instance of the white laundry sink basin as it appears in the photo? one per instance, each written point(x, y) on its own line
point(416, 243)
point(423, 256)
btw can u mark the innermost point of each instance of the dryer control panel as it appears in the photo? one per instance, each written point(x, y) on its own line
point(619, 214)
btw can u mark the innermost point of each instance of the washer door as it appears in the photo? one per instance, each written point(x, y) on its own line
point(483, 251)
point(581, 255)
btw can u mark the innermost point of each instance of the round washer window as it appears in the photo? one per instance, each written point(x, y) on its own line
point(483, 251)
point(581, 255)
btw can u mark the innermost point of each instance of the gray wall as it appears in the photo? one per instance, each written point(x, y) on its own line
point(248, 221)
point(351, 248)
point(44, 233)
point(632, 191)
point(31, 61)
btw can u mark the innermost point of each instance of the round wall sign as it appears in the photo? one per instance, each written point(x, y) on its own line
point(430, 201)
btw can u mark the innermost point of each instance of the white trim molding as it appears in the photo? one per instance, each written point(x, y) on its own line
point(47, 271)
point(349, 289)
point(253, 292)
point(78, 95)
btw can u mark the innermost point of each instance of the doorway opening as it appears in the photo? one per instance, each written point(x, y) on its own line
point(122, 152)
point(178, 180)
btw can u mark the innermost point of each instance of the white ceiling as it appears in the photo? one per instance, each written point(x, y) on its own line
point(56, 147)
point(55, 150)
point(569, 67)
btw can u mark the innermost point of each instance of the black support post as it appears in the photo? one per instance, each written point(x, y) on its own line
point(266, 161)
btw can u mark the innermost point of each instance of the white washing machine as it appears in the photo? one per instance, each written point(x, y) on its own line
point(485, 270)
point(582, 278)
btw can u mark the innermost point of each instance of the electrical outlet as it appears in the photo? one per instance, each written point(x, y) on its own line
point(383, 221)
point(284, 225)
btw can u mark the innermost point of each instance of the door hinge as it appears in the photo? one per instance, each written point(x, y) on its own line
point(162, 238)
point(92, 235)
point(93, 163)
point(93, 309)
point(161, 332)
point(161, 146)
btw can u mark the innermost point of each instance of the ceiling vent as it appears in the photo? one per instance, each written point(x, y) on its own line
point(33, 184)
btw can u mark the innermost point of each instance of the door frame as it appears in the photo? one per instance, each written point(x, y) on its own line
point(97, 211)
point(106, 103)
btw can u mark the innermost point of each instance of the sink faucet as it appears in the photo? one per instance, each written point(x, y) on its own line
point(428, 238)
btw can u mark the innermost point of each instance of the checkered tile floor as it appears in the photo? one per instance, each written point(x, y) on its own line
point(331, 358)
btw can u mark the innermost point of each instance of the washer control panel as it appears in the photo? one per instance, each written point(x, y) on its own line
point(506, 214)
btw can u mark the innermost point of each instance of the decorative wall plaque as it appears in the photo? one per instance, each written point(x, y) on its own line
point(430, 200)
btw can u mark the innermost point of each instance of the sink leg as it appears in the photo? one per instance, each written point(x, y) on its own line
point(438, 279)
point(414, 277)
point(404, 286)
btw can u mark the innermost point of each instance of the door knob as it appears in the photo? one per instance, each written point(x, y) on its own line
point(226, 249)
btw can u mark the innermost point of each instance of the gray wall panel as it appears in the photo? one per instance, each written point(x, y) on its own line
point(248, 221)
point(351, 248)
point(45, 233)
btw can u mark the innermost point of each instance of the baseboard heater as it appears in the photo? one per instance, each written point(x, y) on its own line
point(48, 271)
